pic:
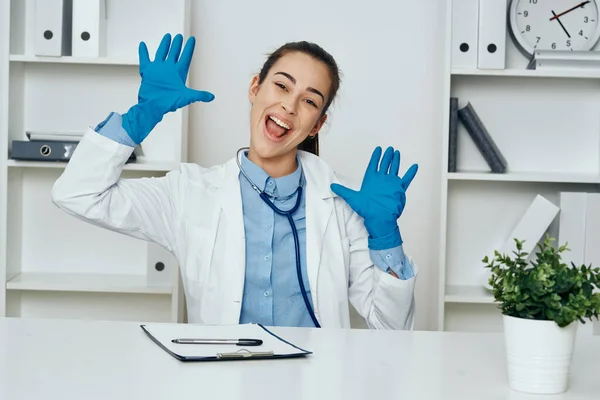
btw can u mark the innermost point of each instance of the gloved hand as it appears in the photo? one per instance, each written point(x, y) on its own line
point(381, 198)
point(163, 87)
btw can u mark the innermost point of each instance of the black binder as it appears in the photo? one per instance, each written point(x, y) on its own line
point(272, 346)
point(46, 150)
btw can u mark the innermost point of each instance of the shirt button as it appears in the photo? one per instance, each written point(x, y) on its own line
point(387, 257)
point(269, 226)
point(266, 293)
point(271, 183)
point(267, 258)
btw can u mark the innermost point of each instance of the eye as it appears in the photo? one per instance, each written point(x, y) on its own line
point(280, 85)
point(312, 103)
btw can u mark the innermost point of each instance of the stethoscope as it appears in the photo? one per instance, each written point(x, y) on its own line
point(265, 197)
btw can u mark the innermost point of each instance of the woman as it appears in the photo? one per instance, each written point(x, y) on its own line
point(238, 257)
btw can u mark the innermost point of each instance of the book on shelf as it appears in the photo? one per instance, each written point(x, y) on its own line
point(564, 59)
point(453, 134)
point(482, 138)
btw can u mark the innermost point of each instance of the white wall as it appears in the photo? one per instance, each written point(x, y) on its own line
point(391, 55)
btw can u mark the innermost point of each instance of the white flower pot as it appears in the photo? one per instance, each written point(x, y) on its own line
point(538, 354)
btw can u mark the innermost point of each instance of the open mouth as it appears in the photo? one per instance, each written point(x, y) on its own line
point(276, 128)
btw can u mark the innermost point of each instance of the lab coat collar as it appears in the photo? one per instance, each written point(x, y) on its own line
point(285, 185)
point(318, 175)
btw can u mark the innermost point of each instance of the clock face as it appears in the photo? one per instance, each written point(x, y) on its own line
point(554, 24)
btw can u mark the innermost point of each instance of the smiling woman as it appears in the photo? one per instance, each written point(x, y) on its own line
point(272, 236)
point(290, 98)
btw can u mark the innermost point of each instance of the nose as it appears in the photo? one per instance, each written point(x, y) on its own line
point(289, 106)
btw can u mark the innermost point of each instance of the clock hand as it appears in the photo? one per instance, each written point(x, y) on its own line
point(564, 29)
point(583, 3)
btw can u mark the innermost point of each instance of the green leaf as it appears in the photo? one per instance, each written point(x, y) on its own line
point(546, 288)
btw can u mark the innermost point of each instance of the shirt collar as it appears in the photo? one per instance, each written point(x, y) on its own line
point(285, 185)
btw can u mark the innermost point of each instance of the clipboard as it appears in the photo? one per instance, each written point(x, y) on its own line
point(272, 347)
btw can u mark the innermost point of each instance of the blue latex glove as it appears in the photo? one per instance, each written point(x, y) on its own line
point(163, 87)
point(381, 198)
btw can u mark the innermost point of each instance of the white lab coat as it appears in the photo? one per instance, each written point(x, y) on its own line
point(196, 213)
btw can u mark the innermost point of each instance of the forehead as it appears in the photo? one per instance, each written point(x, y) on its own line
point(308, 71)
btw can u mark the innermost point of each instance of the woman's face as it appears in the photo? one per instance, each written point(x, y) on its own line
point(287, 106)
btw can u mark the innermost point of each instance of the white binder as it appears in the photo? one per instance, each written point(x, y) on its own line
point(572, 226)
point(465, 26)
point(52, 28)
point(592, 230)
point(160, 266)
point(89, 28)
point(492, 34)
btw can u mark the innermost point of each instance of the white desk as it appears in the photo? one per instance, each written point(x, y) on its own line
point(77, 360)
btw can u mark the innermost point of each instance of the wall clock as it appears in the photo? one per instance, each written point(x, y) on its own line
point(554, 25)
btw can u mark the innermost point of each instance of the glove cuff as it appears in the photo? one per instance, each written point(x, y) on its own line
point(139, 121)
point(389, 241)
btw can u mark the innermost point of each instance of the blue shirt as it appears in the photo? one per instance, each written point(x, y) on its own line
point(272, 293)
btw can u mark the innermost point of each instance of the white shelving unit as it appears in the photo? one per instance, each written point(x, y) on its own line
point(52, 264)
point(547, 125)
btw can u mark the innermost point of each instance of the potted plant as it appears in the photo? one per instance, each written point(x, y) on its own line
point(542, 303)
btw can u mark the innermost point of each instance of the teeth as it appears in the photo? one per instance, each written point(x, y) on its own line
point(280, 122)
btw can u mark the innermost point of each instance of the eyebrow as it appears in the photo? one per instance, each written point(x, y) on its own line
point(291, 78)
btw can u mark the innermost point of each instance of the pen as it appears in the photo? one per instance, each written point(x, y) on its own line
point(238, 342)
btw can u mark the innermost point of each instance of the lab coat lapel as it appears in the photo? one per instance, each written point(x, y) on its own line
point(230, 200)
point(319, 207)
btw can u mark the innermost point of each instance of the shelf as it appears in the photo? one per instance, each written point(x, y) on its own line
point(98, 283)
point(468, 294)
point(528, 73)
point(137, 166)
point(556, 177)
point(72, 60)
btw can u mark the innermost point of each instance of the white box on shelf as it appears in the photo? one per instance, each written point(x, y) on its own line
point(465, 17)
point(52, 27)
point(89, 28)
point(572, 225)
point(160, 266)
point(532, 226)
point(492, 34)
point(530, 229)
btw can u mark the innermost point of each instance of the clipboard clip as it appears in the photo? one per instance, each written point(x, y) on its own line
point(245, 353)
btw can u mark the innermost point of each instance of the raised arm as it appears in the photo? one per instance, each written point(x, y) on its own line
point(382, 277)
point(91, 187)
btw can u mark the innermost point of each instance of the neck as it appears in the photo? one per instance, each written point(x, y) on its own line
point(275, 167)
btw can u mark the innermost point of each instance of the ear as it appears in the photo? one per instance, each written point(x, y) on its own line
point(253, 90)
point(318, 126)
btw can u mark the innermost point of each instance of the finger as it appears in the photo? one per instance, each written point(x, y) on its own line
point(143, 56)
point(344, 192)
point(163, 48)
point(395, 163)
point(199, 95)
point(186, 58)
point(387, 159)
point(409, 176)
point(374, 162)
point(175, 49)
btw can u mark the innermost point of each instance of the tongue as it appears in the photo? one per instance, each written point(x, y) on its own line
point(274, 129)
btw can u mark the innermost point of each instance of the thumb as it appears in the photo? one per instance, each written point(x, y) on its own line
point(345, 193)
point(193, 95)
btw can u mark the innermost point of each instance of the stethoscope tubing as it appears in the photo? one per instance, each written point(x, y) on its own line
point(289, 215)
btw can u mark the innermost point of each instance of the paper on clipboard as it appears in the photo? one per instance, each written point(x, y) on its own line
point(273, 346)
